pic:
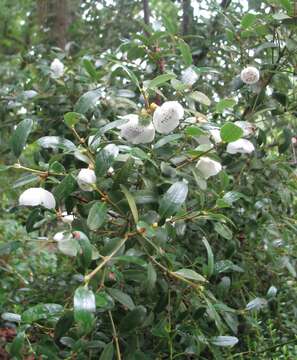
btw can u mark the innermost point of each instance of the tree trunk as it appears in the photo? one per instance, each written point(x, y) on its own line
point(146, 11)
point(55, 15)
point(186, 4)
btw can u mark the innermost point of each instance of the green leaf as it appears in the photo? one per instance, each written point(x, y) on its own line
point(194, 131)
point(104, 160)
point(159, 80)
point(167, 139)
point(112, 125)
point(87, 101)
point(224, 341)
point(185, 52)
point(230, 132)
point(56, 142)
point(210, 257)
point(122, 298)
point(190, 275)
point(108, 352)
point(65, 188)
point(200, 97)
point(15, 349)
point(104, 301)
point(68, 245)
point(9, 247)
point(34, 217)
point(26, 179)
point(41, 312)
point(248, 20)
point(86, 248)
point(223, 230)
point(133, 319)
point(97, 215)
point(131, 260)
point(20, 136)
point(225, 104)
point(205, 70)
point(173, 199)
point(286, 4)
point(131, 75)
point(64, 324)
point(72, 118)
point(84, 308)
point(170, 23)
point(90, 68)
point(131, 203)
point(151, 276)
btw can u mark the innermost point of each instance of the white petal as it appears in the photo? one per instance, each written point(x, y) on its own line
point(136, 133)
point(246, 127)
point(204, 140)
point(250, 75)
point(167, 117)
point(189, 76)
point(216, 135)
point(57, 68)
point(86, 178)
point(59, 236)
point(67, 219)
point(208, 167)
point(37, 196)
point(241, 146)
point(112, 149)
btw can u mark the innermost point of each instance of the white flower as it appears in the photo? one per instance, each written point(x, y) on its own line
point(59, 236)
point(29, 94)
point(135, 132)
point(67, 219)
point(250, 75)
point(204, 140)
point(57, 68)
point(208, 167)
point(112, 150)
point(37, 196)
point(242, 146)
point(86, 179)
point(246, 127)
point(166, 117)
point(189, 76)
point(216, 135)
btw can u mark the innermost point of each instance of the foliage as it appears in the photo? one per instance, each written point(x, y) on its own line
point(161, 259)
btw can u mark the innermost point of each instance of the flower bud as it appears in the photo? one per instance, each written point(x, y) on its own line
point(241, 146)
point(167, 117)
point(250, 75)
point(86, 179)
point(37, 196)
point(57, 68)
point(208, 167)
point(135, 132)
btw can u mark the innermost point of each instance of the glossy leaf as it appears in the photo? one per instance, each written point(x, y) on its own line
point(173, 199)
point(230, 132)
point(20, 136)
point(97, 215)
point(84, 308)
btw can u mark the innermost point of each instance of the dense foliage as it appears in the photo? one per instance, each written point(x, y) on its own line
point(148, 182)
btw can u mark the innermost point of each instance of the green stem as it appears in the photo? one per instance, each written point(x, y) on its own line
point(115, 336)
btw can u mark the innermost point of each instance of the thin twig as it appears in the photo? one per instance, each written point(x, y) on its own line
point(115, 336)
